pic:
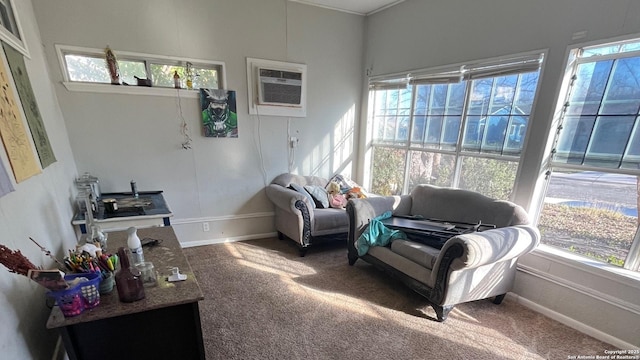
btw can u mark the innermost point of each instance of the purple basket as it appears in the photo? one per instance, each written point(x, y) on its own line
point(69, 300)
point(75, 300)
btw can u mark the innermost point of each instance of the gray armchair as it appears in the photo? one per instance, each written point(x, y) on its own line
point(468, 267)
point(298, 218)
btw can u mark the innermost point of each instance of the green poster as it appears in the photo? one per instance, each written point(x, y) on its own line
point(29, 105)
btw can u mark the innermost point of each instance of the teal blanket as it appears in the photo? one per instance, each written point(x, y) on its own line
point(377, 234)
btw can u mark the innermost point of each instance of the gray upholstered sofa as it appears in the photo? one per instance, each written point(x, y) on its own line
point(468, 267)
point(296, 215)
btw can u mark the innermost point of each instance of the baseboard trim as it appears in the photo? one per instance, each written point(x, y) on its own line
point(221, 218)
point(572, 323)
point(188, 244)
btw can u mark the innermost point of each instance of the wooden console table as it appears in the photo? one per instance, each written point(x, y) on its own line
point(148, 209)
point(163, 325)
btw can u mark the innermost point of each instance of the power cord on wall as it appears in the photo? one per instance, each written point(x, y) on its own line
point(258, 143)
point(184, 127)
point(291, 153)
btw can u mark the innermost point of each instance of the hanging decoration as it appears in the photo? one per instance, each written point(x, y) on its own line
point(30, 106)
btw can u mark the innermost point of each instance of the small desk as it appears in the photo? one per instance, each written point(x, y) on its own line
point(148, 209)
point(163, 325)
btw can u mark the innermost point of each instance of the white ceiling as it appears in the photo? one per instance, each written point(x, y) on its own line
point(360, 7)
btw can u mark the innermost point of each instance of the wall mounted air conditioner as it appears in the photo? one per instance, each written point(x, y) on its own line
point(276, 88)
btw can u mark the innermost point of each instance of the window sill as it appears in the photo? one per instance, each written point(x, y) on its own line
point(130, 90)
point(600, 269)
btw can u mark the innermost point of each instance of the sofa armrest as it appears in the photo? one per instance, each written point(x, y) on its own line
point(491, 246)
point(286, 199)
point(361, 211)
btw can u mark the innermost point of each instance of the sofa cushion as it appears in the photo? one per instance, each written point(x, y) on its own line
point(319, 194)
point(401, 263)
point(301, 190)
point(328, 219)
point(418, 253)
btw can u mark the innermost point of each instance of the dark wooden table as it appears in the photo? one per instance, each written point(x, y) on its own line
point(163, 325)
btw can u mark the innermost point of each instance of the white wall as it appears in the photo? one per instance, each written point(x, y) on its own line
point(420, 34)
point(40, 207)
point(221, 181)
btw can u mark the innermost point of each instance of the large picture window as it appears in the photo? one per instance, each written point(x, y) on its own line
point(462, 127)
point(591, 204)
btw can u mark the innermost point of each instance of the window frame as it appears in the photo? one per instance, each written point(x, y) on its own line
point(147, 59)
point(14, 37)
point(491, 68)
point(575, 58)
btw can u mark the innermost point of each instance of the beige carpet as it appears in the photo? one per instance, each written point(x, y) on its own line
point(263, 301)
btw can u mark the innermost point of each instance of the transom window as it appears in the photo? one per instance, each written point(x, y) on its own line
point(83, 65)
point(462, 127)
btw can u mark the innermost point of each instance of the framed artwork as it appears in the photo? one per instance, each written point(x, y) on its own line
point(219, 115)
point(13, 132)
point(10, 29)
point(29, 105)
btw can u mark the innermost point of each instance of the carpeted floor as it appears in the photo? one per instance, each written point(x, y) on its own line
point(263, 301)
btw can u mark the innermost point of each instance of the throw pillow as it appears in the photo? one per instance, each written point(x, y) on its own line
point(319, 194)
point(302, 191)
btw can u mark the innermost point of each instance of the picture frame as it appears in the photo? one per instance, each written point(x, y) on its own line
point(10, 28)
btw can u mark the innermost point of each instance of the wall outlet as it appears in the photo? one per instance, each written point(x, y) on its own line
point(205, 226)
point(293, 141)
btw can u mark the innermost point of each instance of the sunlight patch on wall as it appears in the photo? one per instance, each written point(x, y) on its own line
point(343, 134)
point(334, 152)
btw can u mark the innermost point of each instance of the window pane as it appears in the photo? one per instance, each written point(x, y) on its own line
point(591, 213)
point(503, 94)
point(206, 79)
point(526, 92)
point(455, 99)
point(419, 123)
point(434, 131)
point(422, 99)
point(631, 159)
point(474, 132)
point(515, 134)
point(438, 99)
point(430, 168)
point(391, 120)
point(490, 177)
point(451, 131)
point(574, 139)
point(608, 141)
point(589, 86)
point(129, 69)
point(85, 68)
point(387, 171)
point(495, 134)
point(480, 95)
point(623, 92)
point(162, 75)
point(498, 122)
